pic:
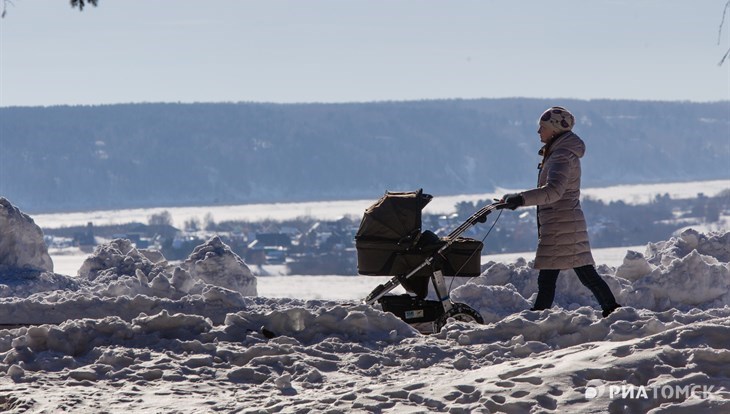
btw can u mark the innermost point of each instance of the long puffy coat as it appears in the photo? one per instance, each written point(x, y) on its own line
point(563, 238)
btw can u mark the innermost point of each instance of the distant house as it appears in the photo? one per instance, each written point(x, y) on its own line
point(268, 248)
point(85, 239)
point(273, 239)
point(325, 236)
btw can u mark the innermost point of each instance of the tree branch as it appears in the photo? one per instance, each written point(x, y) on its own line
point(74, 3)
point(719, 33)
point(5, 7)
point(82, 3)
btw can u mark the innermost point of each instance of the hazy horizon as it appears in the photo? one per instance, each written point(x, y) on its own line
point(557, 99)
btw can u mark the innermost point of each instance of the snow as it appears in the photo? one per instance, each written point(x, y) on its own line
point(134, 333)
point(273, 281)
point(332, 210)
point(21, 245)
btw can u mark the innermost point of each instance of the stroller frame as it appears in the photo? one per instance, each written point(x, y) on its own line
point(449, 309)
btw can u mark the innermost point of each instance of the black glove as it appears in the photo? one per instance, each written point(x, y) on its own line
point(482, 218)
point(513, 201)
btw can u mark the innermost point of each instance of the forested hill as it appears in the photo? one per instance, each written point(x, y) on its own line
point(136, 155)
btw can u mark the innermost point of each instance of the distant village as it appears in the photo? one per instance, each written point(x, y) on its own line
point(306, 246)
point(303, 246)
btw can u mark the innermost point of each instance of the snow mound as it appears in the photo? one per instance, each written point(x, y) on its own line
point(122, 281)
point(23, 283)
point(355, 324)
point(715, 244)
point(694, 280)
point(214, 263)
point(121, 269)
point(118, 269)
point(113, 260)
point(689, 271)
point(21, 244)
point(634, 266)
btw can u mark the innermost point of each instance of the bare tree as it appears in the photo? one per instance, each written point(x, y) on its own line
point(5, 7)
point(719, 33)
point(160, 219)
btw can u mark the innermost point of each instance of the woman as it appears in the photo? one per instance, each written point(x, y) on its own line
point(563, 238)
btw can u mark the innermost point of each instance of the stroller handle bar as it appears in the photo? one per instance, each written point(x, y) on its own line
point(482, 213)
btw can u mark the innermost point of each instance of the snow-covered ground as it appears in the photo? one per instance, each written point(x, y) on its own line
point(129, 334)
point(274, 283)
point(329, 210)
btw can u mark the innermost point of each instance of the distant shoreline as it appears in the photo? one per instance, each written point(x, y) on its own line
point(330, 210)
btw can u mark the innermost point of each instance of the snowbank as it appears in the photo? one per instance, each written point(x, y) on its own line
point(129, 271)
point(120, 280)
point(21, 244)
point(133, 333)
point(214, 263)
point(690, 271)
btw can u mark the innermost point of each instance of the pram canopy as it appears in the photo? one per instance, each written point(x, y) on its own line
point(390, 242)
point(395, 217)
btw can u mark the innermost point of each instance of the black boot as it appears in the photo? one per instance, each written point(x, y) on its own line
point(593, 281)
point(610, 310)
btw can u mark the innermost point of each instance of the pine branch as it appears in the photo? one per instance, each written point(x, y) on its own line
point(82, 3)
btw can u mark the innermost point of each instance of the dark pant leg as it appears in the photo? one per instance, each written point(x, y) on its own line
point(593, 281)
point(546, 281)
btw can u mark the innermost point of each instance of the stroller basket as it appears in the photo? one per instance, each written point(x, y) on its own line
point(412, 309)
point(383, 258)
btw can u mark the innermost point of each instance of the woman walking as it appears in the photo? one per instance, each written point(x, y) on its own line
point(562, 232)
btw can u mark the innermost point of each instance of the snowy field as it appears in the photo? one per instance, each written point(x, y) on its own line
point(122, 330)
point(329, 210)
point(132, 335)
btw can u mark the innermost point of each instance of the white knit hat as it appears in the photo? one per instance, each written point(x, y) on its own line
point(557, 118)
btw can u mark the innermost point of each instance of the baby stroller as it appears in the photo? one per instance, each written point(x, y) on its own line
point(390, 242)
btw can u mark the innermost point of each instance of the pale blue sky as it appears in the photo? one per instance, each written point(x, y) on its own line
point(360, 50)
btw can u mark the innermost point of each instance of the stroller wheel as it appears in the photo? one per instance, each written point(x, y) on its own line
point(460, 312)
